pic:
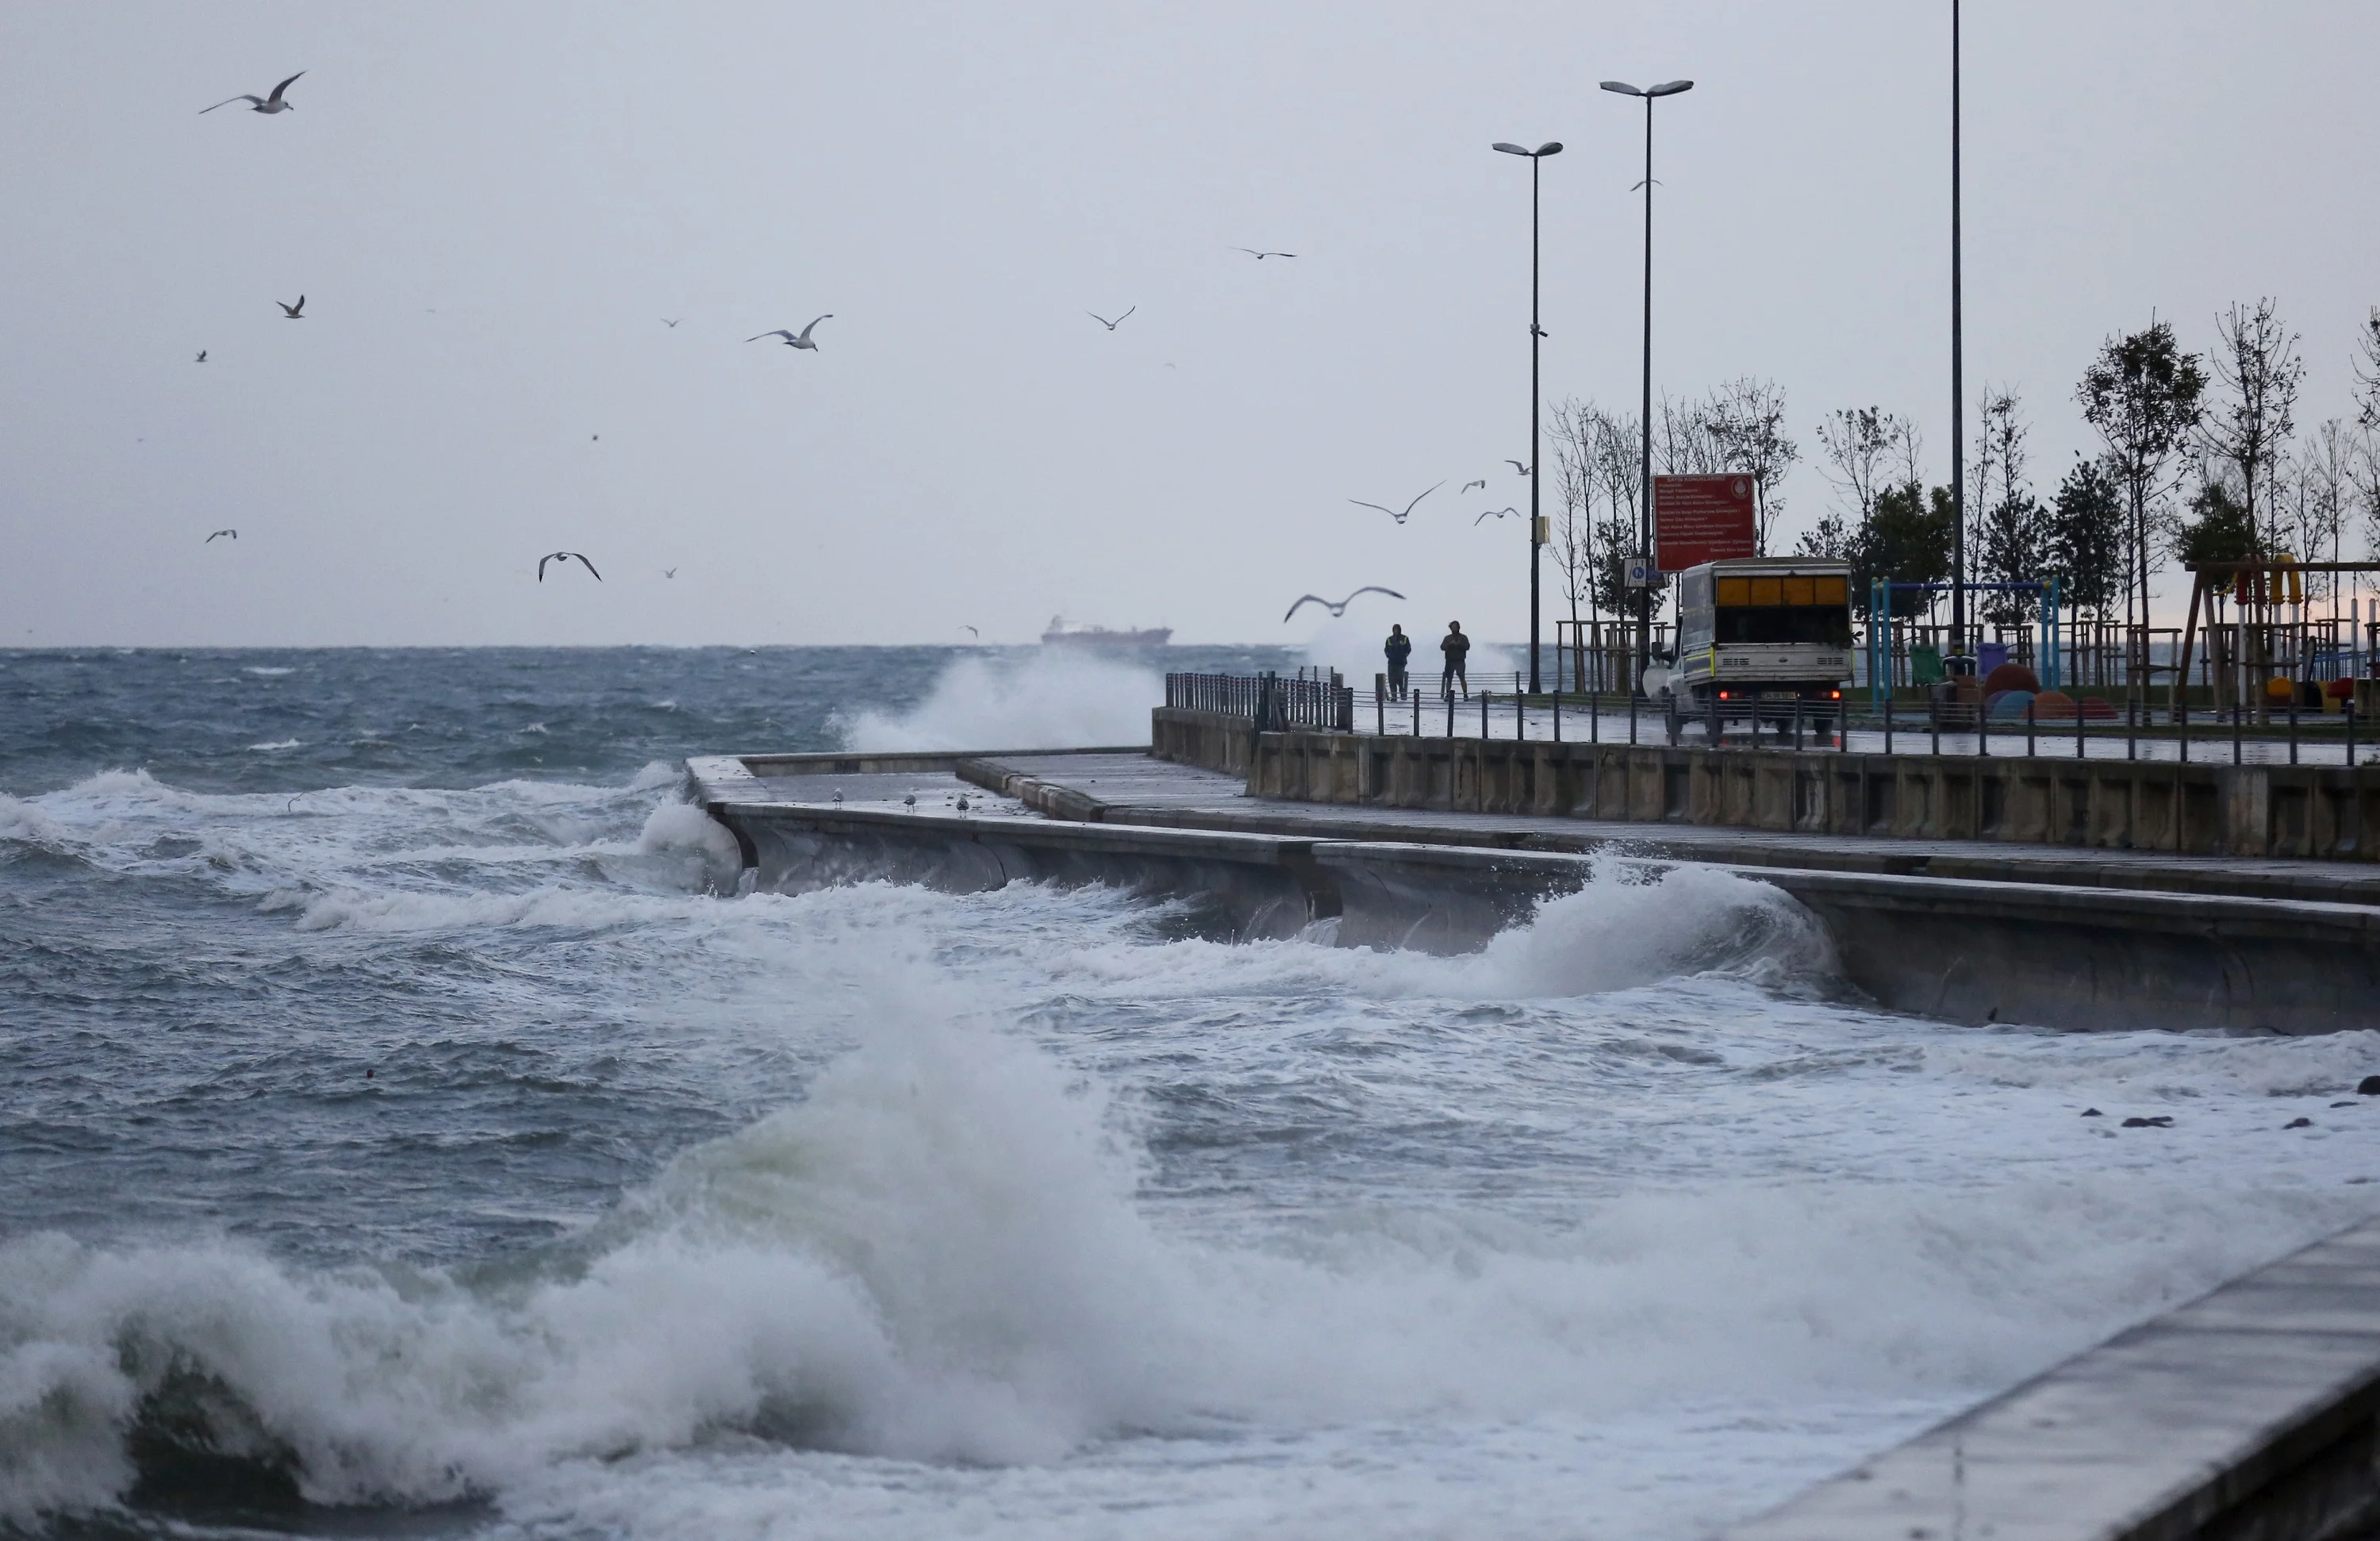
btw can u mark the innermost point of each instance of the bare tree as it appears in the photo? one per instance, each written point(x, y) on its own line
point(2260, 371)
point(1686, 440)
point(1867, 450)
point(1747, 417)
point(1576, 427)
point(2367, 373)
point(2324, 489)
point(2144, 395)
point(2363, 467)
point(1620, 471)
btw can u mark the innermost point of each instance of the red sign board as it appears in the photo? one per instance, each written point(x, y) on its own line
point(1701, 518)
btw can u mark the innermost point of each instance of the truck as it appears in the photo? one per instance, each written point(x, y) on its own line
point(1763, 629)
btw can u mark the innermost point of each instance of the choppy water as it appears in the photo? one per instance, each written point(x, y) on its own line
point(395, 1140)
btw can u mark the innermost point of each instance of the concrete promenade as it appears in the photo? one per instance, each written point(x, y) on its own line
point(2250, 1414)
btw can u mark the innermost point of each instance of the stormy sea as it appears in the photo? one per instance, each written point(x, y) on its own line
point(403, 1133)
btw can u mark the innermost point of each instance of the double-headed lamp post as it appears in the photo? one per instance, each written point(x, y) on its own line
point(1645, 514)
point(1536, 333)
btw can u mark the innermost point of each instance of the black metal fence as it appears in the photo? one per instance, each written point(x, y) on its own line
point(1267, 701)
point(1946, 727)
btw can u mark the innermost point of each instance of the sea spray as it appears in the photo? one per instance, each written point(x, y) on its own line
point(1054, 698)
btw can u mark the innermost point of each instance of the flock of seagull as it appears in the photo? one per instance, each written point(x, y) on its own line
point(277, 100)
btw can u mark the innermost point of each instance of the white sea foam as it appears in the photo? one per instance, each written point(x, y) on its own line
point(1782, 1231)
point(1055, 698)
point(939, 1256)
point(279, 744)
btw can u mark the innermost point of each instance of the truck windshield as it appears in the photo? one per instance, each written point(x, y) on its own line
point(1822, 625)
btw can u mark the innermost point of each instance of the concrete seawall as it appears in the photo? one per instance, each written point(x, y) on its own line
point(2196, 809)
point(2058, 954)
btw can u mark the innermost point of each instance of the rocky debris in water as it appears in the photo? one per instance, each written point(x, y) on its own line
point(2093, 1112)
point(2163, 1120)
point(2345, 1104)
point(2298, 1123)
point(2368, 1086)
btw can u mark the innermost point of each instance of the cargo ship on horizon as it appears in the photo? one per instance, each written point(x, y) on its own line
point(1062, 633)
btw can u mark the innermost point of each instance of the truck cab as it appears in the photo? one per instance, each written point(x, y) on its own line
point(1763, 628)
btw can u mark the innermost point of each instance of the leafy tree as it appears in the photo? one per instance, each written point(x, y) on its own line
point(2220, 527)
point(2144, 395)
point(1908, 538)
point(2085, 536)
point(2007, 537)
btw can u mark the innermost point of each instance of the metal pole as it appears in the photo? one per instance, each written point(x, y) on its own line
point(1958, 374)
point(1537, 472)
point(1644, 513)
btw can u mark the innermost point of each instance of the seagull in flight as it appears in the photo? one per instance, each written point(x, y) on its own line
point(792, 341)
point(673, 324)
point(564, 557)
point(202, 356)
point(1494, 514)
point(262, 104)
point(1341, 608)
point(971, 631)
point(1260, 256)
point(291, 312)
point(666, 572)
point(1111, 325)
point(1392, 512)
point(1468, 485)
point(210, 539)
point(1516, 465)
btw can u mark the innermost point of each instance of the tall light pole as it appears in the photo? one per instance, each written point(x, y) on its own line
point(1958, 379)
point(1536, 335)
point(1645, 514)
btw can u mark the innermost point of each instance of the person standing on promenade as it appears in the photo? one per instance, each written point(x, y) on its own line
point(1457, 648)
point(1399, 648)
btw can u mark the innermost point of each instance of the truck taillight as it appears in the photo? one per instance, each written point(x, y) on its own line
point(1834, 694)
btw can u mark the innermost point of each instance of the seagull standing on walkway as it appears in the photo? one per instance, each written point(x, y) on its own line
point(1392, 512)
point(291, 312)
point(1341, 608)
point(1111, 325)
point(262, 104)
point(792, 341)
point(566, 558)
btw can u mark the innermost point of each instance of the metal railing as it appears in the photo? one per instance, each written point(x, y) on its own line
point(2092, 728)
point(1270, 703)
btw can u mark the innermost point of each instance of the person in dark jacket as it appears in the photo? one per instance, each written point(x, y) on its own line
point(1457, 648)
point(1399, 648)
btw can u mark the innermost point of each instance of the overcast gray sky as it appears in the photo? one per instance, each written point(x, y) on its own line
point(490, 208)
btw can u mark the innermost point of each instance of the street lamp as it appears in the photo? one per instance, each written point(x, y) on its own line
point(1958, 379)
point(1645, 515)
point(1536, 474)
